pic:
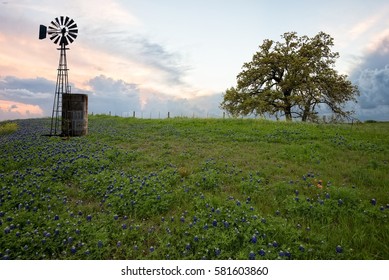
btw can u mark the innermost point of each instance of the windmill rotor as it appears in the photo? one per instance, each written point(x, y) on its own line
point(62, 30)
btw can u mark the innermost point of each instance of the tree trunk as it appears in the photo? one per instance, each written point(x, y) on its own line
point(309, 108)
point(288, 107)
point(305, 115)
point(288, 113)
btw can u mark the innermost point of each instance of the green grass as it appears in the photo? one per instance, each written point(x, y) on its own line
point(195, 188)
point(7, 128)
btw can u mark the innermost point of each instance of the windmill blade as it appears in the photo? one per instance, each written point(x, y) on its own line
point(55, 24)
point(57, 39)
point(53, 30)
point(72, 36)
point(70, 22)
point(54, 36)
point(62, 20)
point(58, 23)
point(70, 39)
point(72, 26)
point(66, 21)
point(51, 27)
point(75, 31)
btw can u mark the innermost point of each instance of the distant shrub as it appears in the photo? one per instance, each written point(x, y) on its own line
point(370, 121)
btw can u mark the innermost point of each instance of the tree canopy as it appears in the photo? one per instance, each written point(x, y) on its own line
point(293, 79)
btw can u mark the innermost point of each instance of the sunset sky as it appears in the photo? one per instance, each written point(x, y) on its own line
point(178, 56)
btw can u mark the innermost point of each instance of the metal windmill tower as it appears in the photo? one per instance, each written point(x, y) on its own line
point(63, 31)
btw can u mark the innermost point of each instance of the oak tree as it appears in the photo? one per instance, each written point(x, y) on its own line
point(292, 78)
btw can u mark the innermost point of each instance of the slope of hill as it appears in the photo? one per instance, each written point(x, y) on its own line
point(195, 189)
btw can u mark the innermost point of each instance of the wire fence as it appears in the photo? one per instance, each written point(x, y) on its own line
point(221, 115)
point(163, 115)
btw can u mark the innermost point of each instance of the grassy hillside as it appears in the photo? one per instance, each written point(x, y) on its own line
point(194, 189)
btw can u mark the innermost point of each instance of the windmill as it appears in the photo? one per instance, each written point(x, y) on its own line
point(62, 31)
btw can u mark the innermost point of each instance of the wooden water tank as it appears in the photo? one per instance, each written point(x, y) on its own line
point(74, 114)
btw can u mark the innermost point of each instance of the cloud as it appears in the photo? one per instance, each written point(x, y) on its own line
point(17, 110)
point(372, 78)
point(367, 25)
point(123, 98)
point(29, 91)
point(374, 85)
point(201, 106)
point(35, 85)
point(159, 57)
point(108, 95)
point(25, 98)
point(378, 55)
point(131, 57)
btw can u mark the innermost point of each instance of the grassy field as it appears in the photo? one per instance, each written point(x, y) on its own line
point(195, 189)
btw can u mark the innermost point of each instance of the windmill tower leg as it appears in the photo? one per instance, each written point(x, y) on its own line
point(62, 87)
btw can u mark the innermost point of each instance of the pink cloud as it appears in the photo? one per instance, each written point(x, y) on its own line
point(13, 110)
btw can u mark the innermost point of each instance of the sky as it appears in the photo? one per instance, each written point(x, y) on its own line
point(179, 56)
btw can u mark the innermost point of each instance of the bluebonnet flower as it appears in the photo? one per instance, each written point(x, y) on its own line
point(339, 249)
point(217, 251)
